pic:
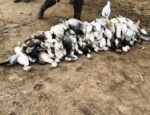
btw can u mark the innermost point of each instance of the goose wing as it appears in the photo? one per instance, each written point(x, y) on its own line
point(106, 10)
point(11, 60)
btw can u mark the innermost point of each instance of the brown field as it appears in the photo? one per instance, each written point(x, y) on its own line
point(108, 84)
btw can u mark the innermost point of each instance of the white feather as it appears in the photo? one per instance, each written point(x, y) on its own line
point(106, 10)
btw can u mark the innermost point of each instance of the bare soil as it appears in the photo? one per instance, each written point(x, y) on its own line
point(108, 84)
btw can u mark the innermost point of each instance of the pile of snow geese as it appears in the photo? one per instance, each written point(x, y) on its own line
point(72, 37)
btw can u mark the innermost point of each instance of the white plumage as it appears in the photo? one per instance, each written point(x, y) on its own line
point(22, 59)
point(45, 57)
point(106, 10)
point(58, 30)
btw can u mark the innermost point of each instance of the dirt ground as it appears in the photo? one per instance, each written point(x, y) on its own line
point(108, 84)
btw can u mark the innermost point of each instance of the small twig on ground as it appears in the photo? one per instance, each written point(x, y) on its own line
point(141, 76)
point(3, 18)
point(55, 109)
point(142, 47)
